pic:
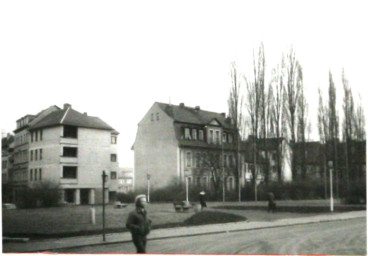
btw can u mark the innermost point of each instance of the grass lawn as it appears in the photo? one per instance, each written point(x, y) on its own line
point(75, 220)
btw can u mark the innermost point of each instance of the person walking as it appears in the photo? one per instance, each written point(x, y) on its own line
point(139, 224)
point(202, 200)
point(271, 202)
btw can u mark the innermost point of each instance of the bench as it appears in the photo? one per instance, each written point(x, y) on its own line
point(182, 206)
point(119, 205)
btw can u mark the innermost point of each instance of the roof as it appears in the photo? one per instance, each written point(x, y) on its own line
point(71, 117)
point(191, 115)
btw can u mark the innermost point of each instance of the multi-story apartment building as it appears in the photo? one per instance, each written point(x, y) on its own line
point(174, 142)
point(69, 149)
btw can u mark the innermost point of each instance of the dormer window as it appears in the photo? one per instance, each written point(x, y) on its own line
point(194, 134)
point(230, 138)
point(210, 137)
point(187, 134)
point(217, 138)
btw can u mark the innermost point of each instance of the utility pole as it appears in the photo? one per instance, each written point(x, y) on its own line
point(330, 164)
point(104, 176)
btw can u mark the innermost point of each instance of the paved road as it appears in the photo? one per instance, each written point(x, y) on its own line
point(338, 237)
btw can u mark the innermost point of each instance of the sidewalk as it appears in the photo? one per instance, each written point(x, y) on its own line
point(59, 244)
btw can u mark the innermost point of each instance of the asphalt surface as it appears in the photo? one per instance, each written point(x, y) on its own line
point(335, 237)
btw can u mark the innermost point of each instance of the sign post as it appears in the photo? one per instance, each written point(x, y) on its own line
point(104, 176)
point(330, 166)
point(148, 187)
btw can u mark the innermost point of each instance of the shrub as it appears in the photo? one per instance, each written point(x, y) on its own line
point(356, 194)
point(45, 194)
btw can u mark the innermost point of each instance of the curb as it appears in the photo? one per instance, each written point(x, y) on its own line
point(99, 243)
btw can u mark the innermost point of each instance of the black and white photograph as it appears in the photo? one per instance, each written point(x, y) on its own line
point(183, 127)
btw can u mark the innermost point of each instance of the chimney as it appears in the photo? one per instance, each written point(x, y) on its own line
point(181, 105)
point(85, 113)
point(223, 114)
point(197, 108)
point(67, 105)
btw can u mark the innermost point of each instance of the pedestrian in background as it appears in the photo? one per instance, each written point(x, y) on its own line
point(271, 202)
point(202, 200)
point(138, 224)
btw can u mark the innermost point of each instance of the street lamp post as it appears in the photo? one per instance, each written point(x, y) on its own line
point(331, 186)
point(148, 187)
point(104, 176)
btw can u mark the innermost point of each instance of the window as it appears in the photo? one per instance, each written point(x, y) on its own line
point(224, 137)
point(4, 164)
point(31, 155)
point(113, 175)
point(70, 131)
point(217, 137)
point(31, 174)
point(200, 135)
point(194, 134)
point(114, 140)
point(210, 139)
point(35, 174)
point(36, 155)
point(36, 138)
point(113, 157)
point(226, 161)
point(32, 136)
point(187, 134)
point(230, 138)
point(40, 173)
point(189, 159)
point(41, 154)
point(198, 159)
point(69, 172)
point(231, 163)
point(157, 116)
point(70, 151)
point(198, 181)
point(152, 117)
point(41, 134)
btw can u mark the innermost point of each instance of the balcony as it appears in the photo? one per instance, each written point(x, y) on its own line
point(68, 160)
point(68, 181)
point(68, 140)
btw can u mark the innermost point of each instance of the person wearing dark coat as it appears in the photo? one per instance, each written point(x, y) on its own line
point(271, 202)
point(202, 200)
point(138, 224)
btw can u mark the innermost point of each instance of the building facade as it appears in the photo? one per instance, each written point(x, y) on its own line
point(68, 149)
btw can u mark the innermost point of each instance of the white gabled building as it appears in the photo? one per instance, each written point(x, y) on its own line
point(70, 149)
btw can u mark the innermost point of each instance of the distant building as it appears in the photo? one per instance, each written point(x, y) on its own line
point(126, 180)
point(67, 148)
point(7, 150)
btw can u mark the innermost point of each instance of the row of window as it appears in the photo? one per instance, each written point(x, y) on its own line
point(35, 174)
point(21, 139)
point(71, 172)
point(203, 181)
point(199, 160)
point(153, 117)
point(36, 135)
point(37, 153)
point(213, 136)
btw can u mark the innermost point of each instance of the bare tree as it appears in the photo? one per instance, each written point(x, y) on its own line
point(302, 125)
point(254, 107)
point(359, 124)
point(277, 100)
point(292, 93)
point(235, 104)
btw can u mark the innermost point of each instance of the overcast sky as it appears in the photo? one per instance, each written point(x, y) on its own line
point(114, 59)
